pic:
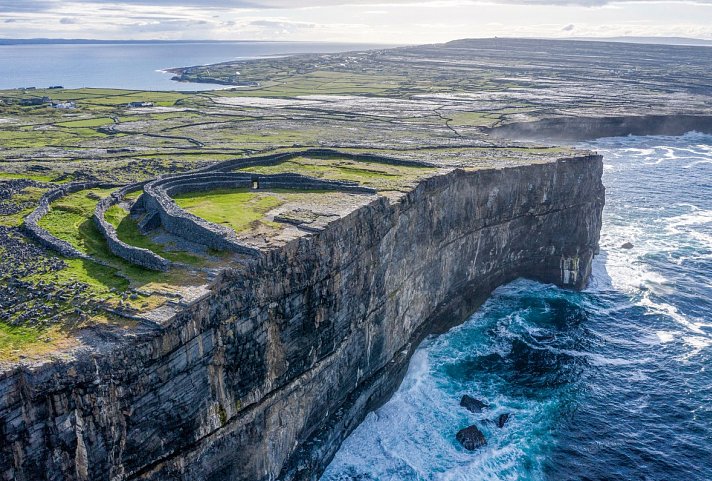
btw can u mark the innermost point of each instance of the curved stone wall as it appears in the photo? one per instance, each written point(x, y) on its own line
point(157, 200)
point(135, 255)
point(277, 158)
point(34, 231)
point(159, 206)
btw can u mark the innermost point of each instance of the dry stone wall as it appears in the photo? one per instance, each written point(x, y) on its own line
point(31, 222)
point(135, 255)
point(157, 200)
point(160, 209)
point(272, 159)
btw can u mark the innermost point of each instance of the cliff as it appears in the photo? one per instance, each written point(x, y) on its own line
point(263, 377)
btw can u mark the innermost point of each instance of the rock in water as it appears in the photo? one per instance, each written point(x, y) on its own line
point(471, 438)
point(472, 404)
point(503, 418)
point(627, 245)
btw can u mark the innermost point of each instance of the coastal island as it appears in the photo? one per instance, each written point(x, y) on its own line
point(221, 285)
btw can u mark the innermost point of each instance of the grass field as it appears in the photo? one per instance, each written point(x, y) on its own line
point(127, 230)
point(70, 220)
point(239, 209)
point(380, 176)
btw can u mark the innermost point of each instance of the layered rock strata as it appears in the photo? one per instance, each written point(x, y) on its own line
point(264, 376)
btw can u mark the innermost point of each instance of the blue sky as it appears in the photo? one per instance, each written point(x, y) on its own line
point(390, 21)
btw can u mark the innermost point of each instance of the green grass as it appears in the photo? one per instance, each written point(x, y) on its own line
point(380, 176)
point(321, 82)
point(70, 220)
point(95, 122)
point(16, 342)
point(37, 177)
point(68, 216)
point(46, 138)
point(239, 209)
point(30, 194)
point(127, 230)
point(161, 99)
point(466, 119)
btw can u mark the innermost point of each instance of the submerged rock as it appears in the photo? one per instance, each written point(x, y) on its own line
point(503, 418)
point(471, 438)
point(627, 245)
point(472, 404)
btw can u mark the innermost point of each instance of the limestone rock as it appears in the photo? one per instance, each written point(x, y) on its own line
point(472, 404)
point(471, 438)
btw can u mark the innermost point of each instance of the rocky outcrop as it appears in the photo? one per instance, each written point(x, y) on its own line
point(264, 377)
point(471, 438)
point(472, 404)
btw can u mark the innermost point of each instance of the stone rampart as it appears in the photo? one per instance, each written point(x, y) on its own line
point(135, 255)
point(158, 203)
point(157, 200)
point(42, 236)
point(272, 159)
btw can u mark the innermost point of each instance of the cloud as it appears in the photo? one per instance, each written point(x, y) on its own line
point(379, 21)
point(281, 24)
point(44, 5)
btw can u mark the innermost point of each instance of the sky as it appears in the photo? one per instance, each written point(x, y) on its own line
point(370, 21)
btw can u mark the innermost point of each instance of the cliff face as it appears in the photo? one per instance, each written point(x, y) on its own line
point(264, 377)
point(588, 128)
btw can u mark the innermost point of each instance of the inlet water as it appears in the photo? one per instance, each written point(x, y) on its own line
point(613, 383)
point(135, 65)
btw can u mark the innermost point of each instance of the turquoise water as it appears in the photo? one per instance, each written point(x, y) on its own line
point(136, 65)
point(613, 383)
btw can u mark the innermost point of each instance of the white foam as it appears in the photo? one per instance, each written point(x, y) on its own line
point(665, 336)
point(670, 311)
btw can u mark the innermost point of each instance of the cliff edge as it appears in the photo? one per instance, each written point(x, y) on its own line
point(263, 376)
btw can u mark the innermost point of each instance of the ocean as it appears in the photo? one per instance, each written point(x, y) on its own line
point(612, 383)
point(136, 65)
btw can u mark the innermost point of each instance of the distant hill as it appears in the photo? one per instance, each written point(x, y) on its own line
point(84, 41)
point(651, 40)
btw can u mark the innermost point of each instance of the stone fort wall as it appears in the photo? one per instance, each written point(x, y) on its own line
point(135, 255)
point(42, 236)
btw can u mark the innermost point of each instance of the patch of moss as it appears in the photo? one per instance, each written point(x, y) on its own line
point(30, 342)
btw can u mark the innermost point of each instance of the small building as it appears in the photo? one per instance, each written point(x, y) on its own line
point(64, 105)
point(139, 104)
